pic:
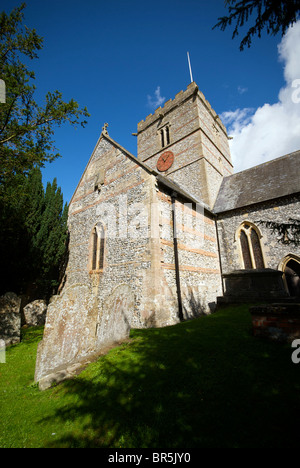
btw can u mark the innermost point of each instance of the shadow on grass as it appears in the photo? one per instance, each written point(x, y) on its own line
point(205, 383)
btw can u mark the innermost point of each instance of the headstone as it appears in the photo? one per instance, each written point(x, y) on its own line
point(2, 352)
point(35, 313)
point(69, 335)
point(10, 318)
point(2, 92)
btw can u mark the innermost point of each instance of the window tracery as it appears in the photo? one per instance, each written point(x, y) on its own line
point(250, 246)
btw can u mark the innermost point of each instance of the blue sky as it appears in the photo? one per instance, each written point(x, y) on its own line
point(110, 56)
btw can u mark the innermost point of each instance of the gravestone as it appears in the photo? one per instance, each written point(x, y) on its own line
point(10, 318)
point(2, 92)
point(35, 313)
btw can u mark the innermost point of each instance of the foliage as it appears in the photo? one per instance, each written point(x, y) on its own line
point(50, 239)
point(33, 230)
point(27, 128)
point(33, 234)
point(274, 16)
point(206, 383)
point(288, 233)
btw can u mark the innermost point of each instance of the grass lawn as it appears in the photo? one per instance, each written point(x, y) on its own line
point(205, 383)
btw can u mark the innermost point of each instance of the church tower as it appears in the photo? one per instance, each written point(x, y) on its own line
point(186, 141)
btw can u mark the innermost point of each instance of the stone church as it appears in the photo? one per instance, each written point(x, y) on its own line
point(154, 238)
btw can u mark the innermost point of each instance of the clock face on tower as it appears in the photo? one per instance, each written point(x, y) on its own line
point(165, 161)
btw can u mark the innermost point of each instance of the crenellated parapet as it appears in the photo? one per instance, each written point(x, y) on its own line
point(180, 97)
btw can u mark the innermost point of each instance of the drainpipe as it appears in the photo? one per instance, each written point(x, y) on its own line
point(180, 310)
point(220, 257)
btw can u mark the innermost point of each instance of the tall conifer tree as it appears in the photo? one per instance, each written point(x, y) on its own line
point(33, 234)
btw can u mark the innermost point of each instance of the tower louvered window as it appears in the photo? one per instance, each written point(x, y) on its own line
point(165, 136)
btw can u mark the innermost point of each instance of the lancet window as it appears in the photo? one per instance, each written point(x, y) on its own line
point(250, 246)
point(98, 247)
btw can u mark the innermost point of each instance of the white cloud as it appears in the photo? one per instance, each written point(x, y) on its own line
point(242, 90)
point(156, 100)
point(271, 130)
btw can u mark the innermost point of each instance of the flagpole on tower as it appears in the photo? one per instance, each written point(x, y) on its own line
point(188, 55)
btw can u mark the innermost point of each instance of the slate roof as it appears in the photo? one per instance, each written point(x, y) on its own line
point(274, 179)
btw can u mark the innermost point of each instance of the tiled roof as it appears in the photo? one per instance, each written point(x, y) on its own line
point(274, 179)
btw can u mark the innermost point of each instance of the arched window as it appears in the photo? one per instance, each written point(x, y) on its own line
point(98, 247)
point(245, 250)
point(94, 253)
point(256, 247)
point(251, 251)
point(290, 266)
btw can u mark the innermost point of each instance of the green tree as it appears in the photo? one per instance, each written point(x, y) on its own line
point(33, 235)
point(14, 239)
point(26, 127)
point(50, 240)
point(287, 233)
point(33, 221)
point(274, 16)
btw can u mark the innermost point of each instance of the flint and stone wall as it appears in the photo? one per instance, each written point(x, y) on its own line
point(279, 210)
point(97, 308)
point(137, 285)
point(198, 140)
point(199, 268)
